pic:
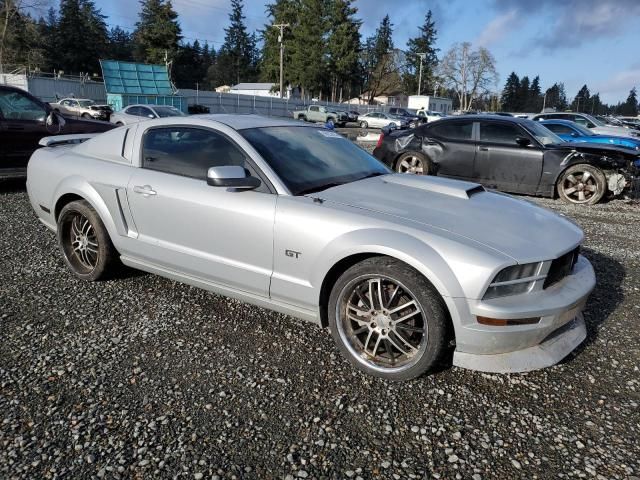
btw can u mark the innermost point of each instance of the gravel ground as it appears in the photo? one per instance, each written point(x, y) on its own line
point(141, 377)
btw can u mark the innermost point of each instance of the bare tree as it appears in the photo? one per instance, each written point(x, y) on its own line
point(469, 72)
point(385, 76)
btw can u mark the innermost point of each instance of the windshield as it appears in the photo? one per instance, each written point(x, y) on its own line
point(86, 103)
point(310, 159)
point(583, 130)
point(168, 112)
point(597, 122)
point(542, 133)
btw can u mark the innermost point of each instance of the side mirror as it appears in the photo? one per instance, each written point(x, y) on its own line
point(523, 141)
point(151, 115)
point(231, 176)
point(54, 121)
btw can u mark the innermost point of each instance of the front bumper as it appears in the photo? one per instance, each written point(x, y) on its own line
point(519, 348)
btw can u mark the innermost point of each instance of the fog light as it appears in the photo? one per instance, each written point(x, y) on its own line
point(502, 322)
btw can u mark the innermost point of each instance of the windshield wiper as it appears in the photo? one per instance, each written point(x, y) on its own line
point(319, 188)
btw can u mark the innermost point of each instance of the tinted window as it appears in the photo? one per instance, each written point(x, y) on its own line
point(306, 158)
point(504, 133)
point(452, 130)
point(16, 106)
point(560, 129)
point(189, 152)
point(145, 112)
point(133, 111)
point(168, 112)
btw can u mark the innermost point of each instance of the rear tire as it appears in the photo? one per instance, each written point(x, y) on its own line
point(302, 117)
point(413, 162)
point(387, 319)
point(86, 116)
point(84, 242)
point(582, 184)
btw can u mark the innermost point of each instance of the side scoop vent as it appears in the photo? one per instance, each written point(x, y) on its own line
point(444, 186)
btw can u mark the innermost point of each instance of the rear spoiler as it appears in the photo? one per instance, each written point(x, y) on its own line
point(66, 139)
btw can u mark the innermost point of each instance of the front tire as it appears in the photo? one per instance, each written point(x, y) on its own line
point(387, 319)
point(364, 124)
point(86, 116)
point(582, 185)
point(413, 162)
point(84, 242)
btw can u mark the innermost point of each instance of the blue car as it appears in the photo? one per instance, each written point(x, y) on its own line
point(572, 132)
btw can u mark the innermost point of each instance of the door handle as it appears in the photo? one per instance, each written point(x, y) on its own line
point(484, 149)
point(145, 190)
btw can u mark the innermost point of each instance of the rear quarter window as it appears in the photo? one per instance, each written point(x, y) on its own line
point(452, 130)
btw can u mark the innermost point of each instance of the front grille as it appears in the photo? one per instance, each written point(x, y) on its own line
point(561, 267)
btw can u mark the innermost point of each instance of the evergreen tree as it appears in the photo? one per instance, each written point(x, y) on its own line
point(555, 97)
point(237, 58)
point(308, 67)
point(423, 43)
point(509, 98)
point(120, 45)
point(280, 12)
point(157, 33)
point(82, 36)
point(523, 94)
point(382, 62)
point(49, 37)
point(534, 103)
point(343, 47)
point(581, 100)
point(630, 107)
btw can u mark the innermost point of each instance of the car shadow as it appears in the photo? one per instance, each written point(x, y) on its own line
point(13, 185)
point(607, 296)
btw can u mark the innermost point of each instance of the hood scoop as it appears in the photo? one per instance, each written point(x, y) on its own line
point(444, 186)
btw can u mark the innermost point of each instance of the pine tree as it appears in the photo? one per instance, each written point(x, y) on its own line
point(534, 103)
point(423, 43)
point(343, 47)
point(630, 107)
point(157, 33)
point(82, 36)
point(279, 12)
point(581, 100)
point(382, 63)
point(308, 67)
point(237, 57)
point(509, 98)
point(523, 94)
point(120, 45)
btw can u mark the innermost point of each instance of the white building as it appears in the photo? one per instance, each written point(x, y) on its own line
point(257, 89)
point(428, 102)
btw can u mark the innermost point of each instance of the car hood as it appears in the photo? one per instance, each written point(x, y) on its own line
point(617, 131)
point(516, 228)
point(600, 148)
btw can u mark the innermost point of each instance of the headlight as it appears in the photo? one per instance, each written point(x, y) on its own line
point(515, 279)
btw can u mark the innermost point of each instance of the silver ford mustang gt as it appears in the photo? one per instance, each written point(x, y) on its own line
point(300, 220)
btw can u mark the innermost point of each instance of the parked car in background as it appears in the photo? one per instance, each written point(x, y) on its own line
point(353, 115)
point(509, 154)
point(318, 113)
point(196, 109)
point(398, 267)
point(24, 120)
point(140, 113)
point(593, 124)
point(610, 120)
point(429, 115)
point(380, 120)
point(412, 119)
point(82, 108)
point(572, 132)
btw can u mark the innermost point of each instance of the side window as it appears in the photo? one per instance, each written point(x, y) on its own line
point(560, 129)
point(582, 121)
point(16, 106)
point(314, 109)
point(452, 130)
point(134, 111)
point(189, 152)
point(65, 103)
point(145, 112)
point(73, 103)
point(499, 133)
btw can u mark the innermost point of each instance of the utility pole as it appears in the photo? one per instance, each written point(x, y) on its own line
point(422, 57)
point(281, 26)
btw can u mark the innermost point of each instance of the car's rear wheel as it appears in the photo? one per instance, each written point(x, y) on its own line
point(364, 124)
point(582, 184)
point(393, 125)
point(413, 162)
point(387, 319)
point(84, 242)
point(86, 116)
point(302, 117)
point(119, 124)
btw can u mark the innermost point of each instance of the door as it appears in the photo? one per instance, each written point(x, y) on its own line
point(213, 233)
point(22, 125)
point(453, 148)
point(314, 114)
point(502, 163)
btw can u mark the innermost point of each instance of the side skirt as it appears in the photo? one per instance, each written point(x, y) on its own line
point(264, 302)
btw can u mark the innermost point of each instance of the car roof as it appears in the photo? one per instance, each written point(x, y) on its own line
point(479, 117)
point(568, 123)
point(244, 121)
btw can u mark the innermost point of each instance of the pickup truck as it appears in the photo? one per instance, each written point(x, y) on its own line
point(318, 113)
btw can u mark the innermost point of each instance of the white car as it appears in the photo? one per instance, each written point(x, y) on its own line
point(593, 124)
point(381, 120)
point(140, 113)
point(430, 115)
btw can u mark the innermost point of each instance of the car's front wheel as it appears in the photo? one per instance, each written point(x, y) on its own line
point(413, 162)
point(86, 116)
point(387, 319)
point(582, 184)
point(84, 242)
point(364, 124)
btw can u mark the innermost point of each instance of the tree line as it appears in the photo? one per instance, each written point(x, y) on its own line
point(525, 95)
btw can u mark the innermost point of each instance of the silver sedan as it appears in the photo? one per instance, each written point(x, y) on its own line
point(140, 113)
point(381, 120)
point(300, 220)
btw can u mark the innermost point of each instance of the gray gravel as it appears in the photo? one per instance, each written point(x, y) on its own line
point(141, 377)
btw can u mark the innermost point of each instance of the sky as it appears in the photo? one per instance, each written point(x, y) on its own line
point(572, 41)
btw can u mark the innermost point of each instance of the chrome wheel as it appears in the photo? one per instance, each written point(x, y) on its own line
point(381, 323)
point(411, 164)
point(81, 242)
point(579, 187)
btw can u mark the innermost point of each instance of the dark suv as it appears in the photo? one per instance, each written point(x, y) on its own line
point(24, 120)
point(509, 154)
point(412, 119)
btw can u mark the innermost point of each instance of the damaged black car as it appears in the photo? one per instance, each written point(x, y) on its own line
point(513, 155)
